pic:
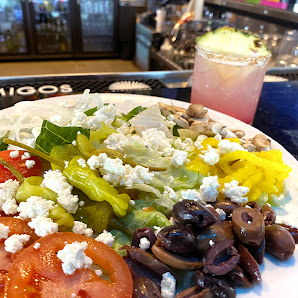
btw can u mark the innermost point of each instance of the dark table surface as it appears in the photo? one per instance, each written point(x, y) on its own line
point(277, 112)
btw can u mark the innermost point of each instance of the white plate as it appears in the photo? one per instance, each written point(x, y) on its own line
point(279, 278)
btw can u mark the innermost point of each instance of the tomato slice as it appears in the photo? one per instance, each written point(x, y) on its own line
point(16, 226)
point(20, 165)
point(38, 272)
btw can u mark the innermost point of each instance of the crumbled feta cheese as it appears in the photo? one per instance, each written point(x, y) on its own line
point(43, 226)
point(116, 173)
point(8, 190)
point(156, 140)
point(79, 119)
point(144, 243)
point(210, 156)
point(36, 245)
point(56, 119)
point(82, 229)
point(74, 142)
point(73, 257)
point(82, 162)
point(14, 154)
point(186, 145)
point(225, 146)
point(4, 230)
point(151, 138)
point(199, 140)
point(29, 164)
point(105, 115)
point(81, 203)
point(208, 190)
point(125, 129)
point(168, 285)
point(29, 142)
point(221, 213)
point(95, 161)
point(191, 194)
point(137, 175)
point(132, 202)
point(211, 242)
point(26, 155)
point(179, 158)
point(55, 181)
point(106, 238)
point(10, 206)
point(16, 242)
point(35, 206)
point(116, 141)
point(235, 193)
point(169, 193)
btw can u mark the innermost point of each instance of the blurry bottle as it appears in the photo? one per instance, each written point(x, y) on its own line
point(160, 20)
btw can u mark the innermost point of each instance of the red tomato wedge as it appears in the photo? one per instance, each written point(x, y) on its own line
point(20, 165)
point(38, 272)
point(16, 226)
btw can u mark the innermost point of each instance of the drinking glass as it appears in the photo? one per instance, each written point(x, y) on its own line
point(231, 85)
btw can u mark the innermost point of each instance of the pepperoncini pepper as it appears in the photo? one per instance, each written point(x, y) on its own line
point(62, 218)
point(96, 188)
point(64, 152)
point(31, 187)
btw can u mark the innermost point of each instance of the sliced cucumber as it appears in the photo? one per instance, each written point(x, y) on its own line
point(233, 42)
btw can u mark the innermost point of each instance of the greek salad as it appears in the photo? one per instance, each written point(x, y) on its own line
point(159, 201)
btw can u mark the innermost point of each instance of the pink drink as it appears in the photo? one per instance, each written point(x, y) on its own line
point(227, 84)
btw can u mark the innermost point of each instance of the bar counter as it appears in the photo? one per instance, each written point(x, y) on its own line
point(276, 116)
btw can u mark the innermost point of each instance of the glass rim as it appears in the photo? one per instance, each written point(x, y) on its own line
point(225, 58)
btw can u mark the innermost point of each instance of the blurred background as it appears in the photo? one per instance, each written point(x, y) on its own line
point(77, 36)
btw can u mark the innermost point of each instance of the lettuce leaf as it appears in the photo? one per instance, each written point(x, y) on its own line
point(91, 111)
point(121, 239)
point(52, 135)
point(176, 178)
point(145, 156)
point(144, 215)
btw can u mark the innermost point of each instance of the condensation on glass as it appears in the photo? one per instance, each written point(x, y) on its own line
point(12, 35)
point(97, 17)
point(52, 23)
